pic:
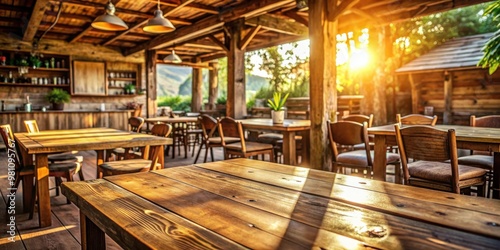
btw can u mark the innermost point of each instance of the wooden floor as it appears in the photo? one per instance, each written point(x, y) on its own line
point(65, 230)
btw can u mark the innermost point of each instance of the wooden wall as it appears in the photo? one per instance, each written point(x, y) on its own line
point(473, 92)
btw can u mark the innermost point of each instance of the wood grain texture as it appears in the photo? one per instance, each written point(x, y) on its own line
point(137, 224)
point(89, 78)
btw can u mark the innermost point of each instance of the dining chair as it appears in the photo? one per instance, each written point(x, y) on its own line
point(347, 134)
point(416, 119)
point(26, 173)
point(209, 139)
point(435, 162)
point(229, 127)
point(149, 157)
point(359, 119)
point(135, 124)
point(482, 159)
point(32, 127)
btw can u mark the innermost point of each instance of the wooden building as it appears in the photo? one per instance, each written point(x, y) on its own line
point(449, 80)
point(205, 30)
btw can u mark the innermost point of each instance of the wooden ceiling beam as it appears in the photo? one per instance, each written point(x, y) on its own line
point(295, 16)
point(203, 46)
point(14, 8)
point(280, 25)
point(343, 6)
point(141, 23)
point(249, 36)
point(35, 19)
point(83, 18)
point(245, 10)
point(218, 42)
point(204, 8)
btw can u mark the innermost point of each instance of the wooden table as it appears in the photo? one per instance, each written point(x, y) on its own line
point(289, 128)
point(243, 203)
point(53, 141)
point(475, 138)
point(175, 121)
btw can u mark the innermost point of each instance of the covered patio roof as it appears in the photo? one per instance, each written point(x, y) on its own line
point(200, 33)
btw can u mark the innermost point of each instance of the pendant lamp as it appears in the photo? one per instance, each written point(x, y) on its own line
point(108, 21)
point(172, 58)
point(158, 24)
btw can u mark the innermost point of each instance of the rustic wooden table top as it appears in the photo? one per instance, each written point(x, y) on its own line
point(243, 203)
point(49, 141)
point(267, 123)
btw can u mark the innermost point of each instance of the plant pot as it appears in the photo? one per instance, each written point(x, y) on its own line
point(278, 116)
point(57, 106)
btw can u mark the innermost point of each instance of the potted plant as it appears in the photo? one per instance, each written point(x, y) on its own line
point(58, 97)
point(129, 89)
point(221, 103)
point(276, 104)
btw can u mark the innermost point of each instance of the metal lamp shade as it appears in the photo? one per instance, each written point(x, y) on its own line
point(158, 24)
point(172, 58)
point(108, 21)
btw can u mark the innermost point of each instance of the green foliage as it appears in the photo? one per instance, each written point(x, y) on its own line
point(221, 100)
point(491, 57)
point(178, 103)
point(58, 96)
point(277, 103)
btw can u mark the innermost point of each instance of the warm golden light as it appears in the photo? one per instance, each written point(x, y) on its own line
point(359, 59)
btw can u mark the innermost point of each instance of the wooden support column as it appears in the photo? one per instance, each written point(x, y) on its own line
point(236, 98)
point(448, 97)
point(150, 82)
point(196, 90)
point(323, 91)
point(415, 94)
point(213, 84)
point(374, 83)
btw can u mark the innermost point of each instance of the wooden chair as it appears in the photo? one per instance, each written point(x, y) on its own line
point(482, 159)
point(228, 127)
point(347, 134)
point(193, 135)
point(149, 160)
point(416, 119)
point(32, 127)
point(359, 119)
point(27, 173)
point(135, 125)
point(209, 128)
point(435, 163)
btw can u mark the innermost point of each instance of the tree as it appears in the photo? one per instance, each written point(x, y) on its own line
point(491, 50)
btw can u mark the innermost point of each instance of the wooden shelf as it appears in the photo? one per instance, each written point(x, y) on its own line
point(121, 79)
point(35, 85)
point(37, 69)
point(115, 87)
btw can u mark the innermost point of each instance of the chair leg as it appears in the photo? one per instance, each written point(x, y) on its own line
point(198, 154)
point(58, 184)
point(33, 201)
point(211, 154)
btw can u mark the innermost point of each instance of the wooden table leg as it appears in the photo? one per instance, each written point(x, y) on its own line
point(92, 237)
point(496, 175)
point(161, 156)
point(99, 160)
point(305, 149)
point(289, 149)
point(379, 162)
point(42, 180)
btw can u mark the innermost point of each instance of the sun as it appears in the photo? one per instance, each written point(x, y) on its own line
point(359, 59)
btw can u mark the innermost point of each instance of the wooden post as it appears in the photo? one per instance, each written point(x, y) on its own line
point(150, 82)
point(213, 84)
point(196, 90)
point(323, 90)
point(448, 97)
point(236, 98)
point(415, 94)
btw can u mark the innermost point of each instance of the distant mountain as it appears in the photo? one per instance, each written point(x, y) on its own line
point(176, 80)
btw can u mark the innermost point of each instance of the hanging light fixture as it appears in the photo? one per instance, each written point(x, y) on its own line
point(158, 24)
point(172, 58)
point(108, 21)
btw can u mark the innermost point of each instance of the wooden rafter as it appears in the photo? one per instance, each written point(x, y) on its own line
point(141, 23)
point(343, 6)
point(280, 25)
point(249, 36)
point(369, 16)
point(247, 9)
point(295, 16)
point(218, 42)
point(35, 19)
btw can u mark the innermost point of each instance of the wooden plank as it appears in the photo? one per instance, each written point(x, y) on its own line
point(417, 209)
point(35, 19)
point(448, 97)
point(249, 36)
point(236, 104)
point(231, 218)
point(135, 223)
